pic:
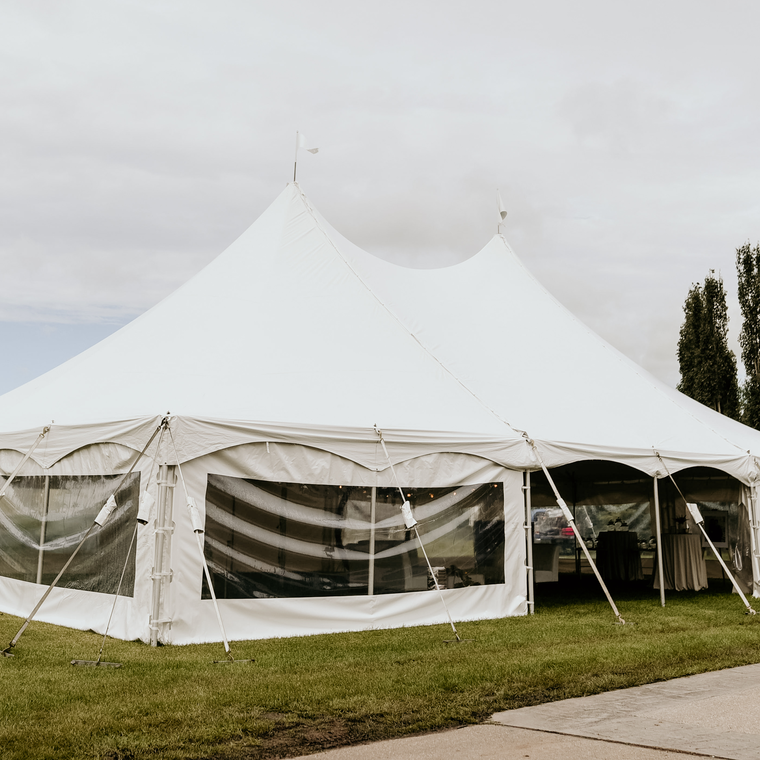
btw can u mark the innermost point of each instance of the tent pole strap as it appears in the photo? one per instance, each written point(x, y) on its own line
point(529, 541)
point(658, 534)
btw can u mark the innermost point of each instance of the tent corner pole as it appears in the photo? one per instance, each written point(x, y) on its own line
point(166, 484)
point(529, 541)
point(753, 532)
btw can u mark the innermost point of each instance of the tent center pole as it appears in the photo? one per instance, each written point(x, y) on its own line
point(576, 548)
point(528, 541)
point(658, 536)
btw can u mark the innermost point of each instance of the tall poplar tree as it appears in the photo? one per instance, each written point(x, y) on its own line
point(748, 271)
point(708, 366)
point(689, 343)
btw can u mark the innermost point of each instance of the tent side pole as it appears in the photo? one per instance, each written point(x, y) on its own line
point(372, 510)
point(43, 526)
point(529, 541)
point(658, 536)
point(575, 545)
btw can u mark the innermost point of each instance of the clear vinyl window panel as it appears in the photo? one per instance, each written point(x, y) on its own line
point(265, 539)
point(43, 519)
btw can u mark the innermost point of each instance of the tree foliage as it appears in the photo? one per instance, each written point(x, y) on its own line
point(748, 272)
point(708, 366)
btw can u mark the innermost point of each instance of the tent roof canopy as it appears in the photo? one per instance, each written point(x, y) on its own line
point(295, 328)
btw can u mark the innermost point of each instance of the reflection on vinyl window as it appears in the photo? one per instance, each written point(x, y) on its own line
point(265, 539)
point(43, 518)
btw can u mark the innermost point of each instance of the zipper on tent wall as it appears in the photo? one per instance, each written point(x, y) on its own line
point(43, 526)
point(528, 541)
point(161, 575)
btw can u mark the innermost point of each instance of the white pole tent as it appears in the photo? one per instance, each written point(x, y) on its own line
point(274, 369)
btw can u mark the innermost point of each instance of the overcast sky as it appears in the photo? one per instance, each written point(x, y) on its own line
point(139, 139)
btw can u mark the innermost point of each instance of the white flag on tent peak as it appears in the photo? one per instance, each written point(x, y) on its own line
point(502, 210)
point(302, 142)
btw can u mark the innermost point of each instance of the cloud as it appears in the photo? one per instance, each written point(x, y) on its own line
point(139, 139)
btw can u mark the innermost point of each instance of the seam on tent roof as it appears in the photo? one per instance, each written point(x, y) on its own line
point(617, 355)
point(374, 295)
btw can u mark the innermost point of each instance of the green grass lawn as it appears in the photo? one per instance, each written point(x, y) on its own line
point(305, 694)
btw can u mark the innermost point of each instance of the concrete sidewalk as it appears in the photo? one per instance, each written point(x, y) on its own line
point(708, 715)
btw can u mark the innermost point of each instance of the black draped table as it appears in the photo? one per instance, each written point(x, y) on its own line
point(617, 556)
point(683, 563)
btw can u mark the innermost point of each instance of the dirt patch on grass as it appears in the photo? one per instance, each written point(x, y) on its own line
point(288, 739)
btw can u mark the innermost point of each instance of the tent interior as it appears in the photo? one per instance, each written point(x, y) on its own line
point(614, 509)
point(372, 454)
